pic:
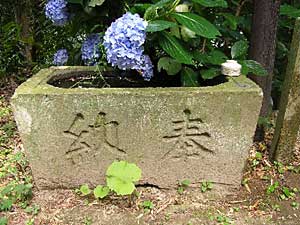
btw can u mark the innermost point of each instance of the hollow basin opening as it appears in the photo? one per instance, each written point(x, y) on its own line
point(112, 79)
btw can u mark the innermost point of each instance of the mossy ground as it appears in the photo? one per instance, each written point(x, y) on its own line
point(258, 201)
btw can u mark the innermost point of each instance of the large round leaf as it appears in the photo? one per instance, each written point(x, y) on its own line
point(121, 175)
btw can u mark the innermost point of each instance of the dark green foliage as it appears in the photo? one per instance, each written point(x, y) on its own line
point(212, 31)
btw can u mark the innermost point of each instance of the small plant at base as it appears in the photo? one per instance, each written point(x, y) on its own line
point(276, 207)
point(206, 186)
point(87, 220)
point(34, 210)
point(30, 222)
point(147, 205)
point(84, 190)
point(3, 221)
point(279, 166)
point(183, 185)
point(295, 205)
point(101, 191)
point(287, 194)
point(271, 189)
point(120, 177)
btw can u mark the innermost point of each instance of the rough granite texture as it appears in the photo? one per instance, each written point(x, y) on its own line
point(71, 136)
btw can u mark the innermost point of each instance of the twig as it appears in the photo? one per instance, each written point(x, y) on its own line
point(240, 6)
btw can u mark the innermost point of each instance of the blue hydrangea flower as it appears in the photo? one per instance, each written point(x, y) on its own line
point(90, 49)
point(60, 57)
point(56, 11)
point(123, 42)
point(147, 68)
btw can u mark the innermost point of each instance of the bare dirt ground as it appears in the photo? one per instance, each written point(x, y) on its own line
point(258, 201)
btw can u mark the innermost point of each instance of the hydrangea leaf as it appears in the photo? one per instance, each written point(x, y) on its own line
point(168, 64)
point(101, 191)
point(94, 3)
point(159, 25)
point(174, 48)
point(197, 24)
point(251, 66)
point(189, 78)
point(214, 57)
point(212, 3)
point(75, 1)
point(239, 49)
point(210, 73)
point(152, 12)
point(121, 175)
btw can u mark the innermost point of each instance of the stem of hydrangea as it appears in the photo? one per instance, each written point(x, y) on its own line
point(102, 78)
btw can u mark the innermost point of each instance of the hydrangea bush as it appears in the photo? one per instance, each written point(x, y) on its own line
point(166, 37)
point(57, 12)
point(90, 49)
point(61, 57)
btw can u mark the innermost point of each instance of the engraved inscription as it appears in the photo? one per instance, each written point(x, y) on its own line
point(189, 136)
point(87, 142)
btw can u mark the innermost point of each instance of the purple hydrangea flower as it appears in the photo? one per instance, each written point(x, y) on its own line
point(60, 57)
point(56, 11)
point(90, 49)
point(123, 42)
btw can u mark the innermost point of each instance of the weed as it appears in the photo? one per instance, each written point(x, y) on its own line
point(295, 205)
point(287, 193)
point(276, 207)
point(183, 185)
point(271, 189)
point(206, 186)
point(147, 205)
point(30, 222)
point(34, 210)
point(279, 167)
point(87, 220)
point(3, 221)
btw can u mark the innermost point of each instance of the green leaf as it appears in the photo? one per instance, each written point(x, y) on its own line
point(189, 78)
point(214, 57)
point(119, 186)
point(6, 204)
point(185, 183)
point(210, 73)
point(271, 189)
point(76, 1)
point(197, 24)
point(94, 3)
point(251, 66)
point(212, 3)
point(153, 11)
point(85, 190)
point(288, 10)
point(168, 64)
point(231, 20)
point(3, 221)
point(101, 191)
point(173, 47)
point(159, 25)
point(121, 175)
point(148, 204)
point(239, 49)
point(187, 34)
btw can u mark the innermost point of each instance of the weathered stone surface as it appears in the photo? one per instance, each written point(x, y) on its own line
point(288, 120)
point(72, 135)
